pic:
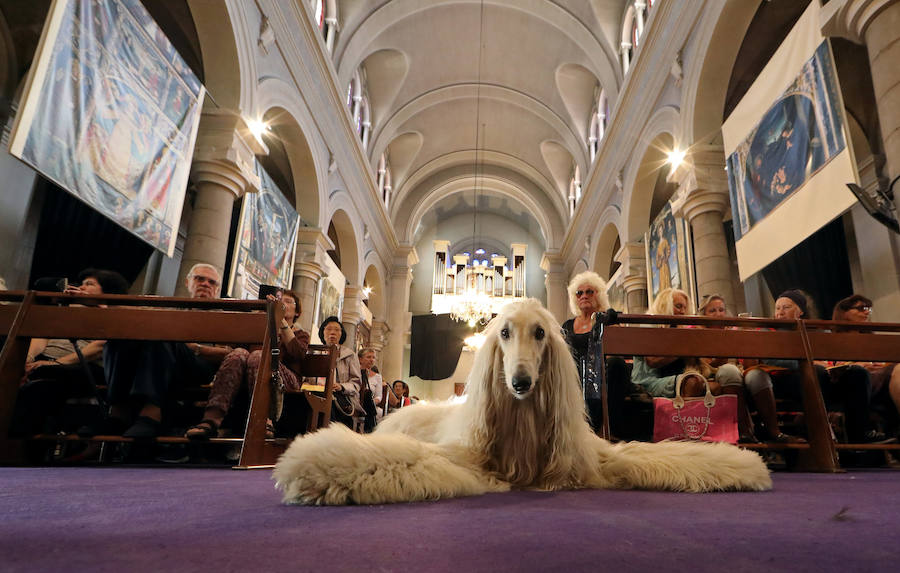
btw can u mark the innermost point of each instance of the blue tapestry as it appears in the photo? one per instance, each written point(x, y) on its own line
point(799, 134)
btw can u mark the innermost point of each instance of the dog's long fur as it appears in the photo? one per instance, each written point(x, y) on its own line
point(505, 435)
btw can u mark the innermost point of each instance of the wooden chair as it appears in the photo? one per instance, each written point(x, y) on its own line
point(258, 452)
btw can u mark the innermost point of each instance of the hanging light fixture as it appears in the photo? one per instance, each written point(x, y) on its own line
point(474, 306)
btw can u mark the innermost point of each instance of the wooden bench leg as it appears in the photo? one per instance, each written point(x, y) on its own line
point(12, 360)
point(256, 452)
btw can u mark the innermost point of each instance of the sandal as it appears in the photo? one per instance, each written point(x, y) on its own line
point(205, 430)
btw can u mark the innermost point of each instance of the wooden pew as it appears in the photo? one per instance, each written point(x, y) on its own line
point(40, 315)
point(788, 340)
point(259, 453)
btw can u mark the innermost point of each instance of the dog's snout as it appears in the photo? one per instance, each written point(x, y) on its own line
point(521, 383)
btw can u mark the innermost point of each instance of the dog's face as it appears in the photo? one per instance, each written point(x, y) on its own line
point(522, 338)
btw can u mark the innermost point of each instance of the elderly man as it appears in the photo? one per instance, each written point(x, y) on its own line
point(139, 374)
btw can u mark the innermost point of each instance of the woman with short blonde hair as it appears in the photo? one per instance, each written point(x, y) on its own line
point(587, 297)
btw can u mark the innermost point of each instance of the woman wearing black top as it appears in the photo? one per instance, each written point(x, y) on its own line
point(587, 296)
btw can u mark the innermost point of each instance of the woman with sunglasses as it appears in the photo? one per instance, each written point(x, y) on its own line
point(587, 296)
point(884, 377)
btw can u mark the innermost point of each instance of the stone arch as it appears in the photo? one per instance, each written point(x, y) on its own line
point(604, 244)
point(374, 278)
point(232, 86)
point(661, 134)
point(600, 55)
point(576, 86)
point(290, 122)
point(348, 246)
point(721, 33)
point(392, 67)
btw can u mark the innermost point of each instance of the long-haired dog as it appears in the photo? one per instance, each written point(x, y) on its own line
point(522, 426)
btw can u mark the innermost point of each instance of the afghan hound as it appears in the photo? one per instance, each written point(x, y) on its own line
point(523, 426)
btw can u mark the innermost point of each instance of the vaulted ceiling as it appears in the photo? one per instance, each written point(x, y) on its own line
point(490, 99)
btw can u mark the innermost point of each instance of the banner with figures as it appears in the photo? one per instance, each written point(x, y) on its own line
point(329, 298)
point(110, 113)
point(669, 255)
point(786, 144)
point(266, 240)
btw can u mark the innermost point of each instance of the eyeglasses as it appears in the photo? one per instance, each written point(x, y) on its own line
point(589, 292)
point(201, 279)
point(861, 308)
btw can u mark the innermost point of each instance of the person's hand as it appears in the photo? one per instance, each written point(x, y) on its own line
point(279, 309)
point(37, 364)
point(73, 289)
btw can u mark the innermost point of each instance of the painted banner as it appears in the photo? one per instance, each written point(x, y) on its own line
point(788, 157)
point(669, 257)
point(266, 240)
point(110, 113)
point(329, 298)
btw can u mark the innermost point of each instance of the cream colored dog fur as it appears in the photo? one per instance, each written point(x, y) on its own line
point(523, 426)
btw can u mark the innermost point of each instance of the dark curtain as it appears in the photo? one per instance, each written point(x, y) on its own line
point(72, 236)
point(436, 342)
point(819, 265)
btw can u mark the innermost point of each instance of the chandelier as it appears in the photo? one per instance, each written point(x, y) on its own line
point(472, 307)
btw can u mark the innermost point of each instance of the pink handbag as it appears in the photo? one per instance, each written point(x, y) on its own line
point(708, 418)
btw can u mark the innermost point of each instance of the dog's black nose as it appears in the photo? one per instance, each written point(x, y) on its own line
point(521, 383)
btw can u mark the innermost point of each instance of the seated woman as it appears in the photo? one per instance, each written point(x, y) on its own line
point(587, 296)
point(348, 375)
point(760, 389)
point(851, 387)
point(58, 351)
point(240, 368)
point(398, 397)
point(44, 395)
point(884, 377)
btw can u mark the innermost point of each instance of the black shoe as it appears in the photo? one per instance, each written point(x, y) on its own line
point(174, 454)
point(106, 427)
point(876, 437)
point(144, 428)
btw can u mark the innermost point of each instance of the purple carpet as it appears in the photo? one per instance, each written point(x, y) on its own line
point(140, 519)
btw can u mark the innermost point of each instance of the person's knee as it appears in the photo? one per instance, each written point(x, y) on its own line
point(729, 375)
point(757, 381)
point(254, 358)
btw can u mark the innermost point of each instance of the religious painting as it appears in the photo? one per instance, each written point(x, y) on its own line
point(329, 297)
point(266, 240)
point(669, 260)
point(798, 134)
point(615, 291)
point(110, 113)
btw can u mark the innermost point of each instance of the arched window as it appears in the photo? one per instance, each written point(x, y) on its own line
point(365, 124)
point(319, 12)
point(629, 40)
point(602, 113)
point(594, 135)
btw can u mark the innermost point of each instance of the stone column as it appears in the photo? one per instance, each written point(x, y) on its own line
point(702, 199)
point(633, 259)
point(222, 170)
point(377, 337)
point(875, 23)
point(555, 282)
point(312, 246)
point(399, 316)
point(350, 315)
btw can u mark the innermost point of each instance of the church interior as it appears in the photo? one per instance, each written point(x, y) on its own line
point(411, 166)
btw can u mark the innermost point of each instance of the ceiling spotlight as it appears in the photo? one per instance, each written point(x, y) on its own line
point(676, 157)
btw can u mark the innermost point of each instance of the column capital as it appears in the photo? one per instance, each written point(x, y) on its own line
point(633, 258)
point(405, 255)
point(225, 152)
point(633, 283)
point(553, 262)
point(850, 18)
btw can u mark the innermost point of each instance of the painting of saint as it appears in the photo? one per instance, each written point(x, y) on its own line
point(798, 134)
point(664, 259)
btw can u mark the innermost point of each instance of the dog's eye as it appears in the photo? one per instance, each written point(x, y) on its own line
point(504, 334)
point(539, 333)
